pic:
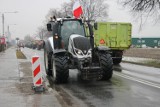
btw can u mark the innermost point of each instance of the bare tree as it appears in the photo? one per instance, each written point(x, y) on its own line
point(143, 5)
point(27, 38)
point(66, 9)
point(40, 32)
point(144, 8)
point(54, 12)
point(94, 9)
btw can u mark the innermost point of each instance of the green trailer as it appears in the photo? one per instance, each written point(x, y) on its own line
point(115, 35)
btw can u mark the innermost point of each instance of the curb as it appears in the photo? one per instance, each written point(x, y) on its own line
point(147, 63)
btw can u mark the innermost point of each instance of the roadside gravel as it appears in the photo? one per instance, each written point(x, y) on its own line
point(143, 53)
point(143, 56)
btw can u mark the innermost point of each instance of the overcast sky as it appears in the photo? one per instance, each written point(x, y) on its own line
point(31, 14)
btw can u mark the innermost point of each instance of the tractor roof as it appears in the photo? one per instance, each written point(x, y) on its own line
point(66, 19)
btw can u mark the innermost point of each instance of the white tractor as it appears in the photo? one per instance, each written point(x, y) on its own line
point(69, 48)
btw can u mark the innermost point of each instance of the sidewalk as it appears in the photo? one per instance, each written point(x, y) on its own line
point(16, 82)
point(9, 76)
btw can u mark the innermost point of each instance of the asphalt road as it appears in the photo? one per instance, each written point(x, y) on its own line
point(131, 86)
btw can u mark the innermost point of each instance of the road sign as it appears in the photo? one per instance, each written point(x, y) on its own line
point(36, 71)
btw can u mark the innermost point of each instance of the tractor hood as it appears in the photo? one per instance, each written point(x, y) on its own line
point(79, 45)
point(82, 43)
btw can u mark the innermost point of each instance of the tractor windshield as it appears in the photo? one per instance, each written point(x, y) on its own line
point(70, 27)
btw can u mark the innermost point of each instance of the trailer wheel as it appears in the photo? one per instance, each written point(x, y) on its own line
point(106, 63)
point(60, 69)
point(47, 62)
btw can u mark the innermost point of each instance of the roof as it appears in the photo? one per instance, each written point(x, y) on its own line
point(63, 19)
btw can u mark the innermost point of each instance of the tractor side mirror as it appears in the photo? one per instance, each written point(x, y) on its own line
point(49, 27)
point(95, 26)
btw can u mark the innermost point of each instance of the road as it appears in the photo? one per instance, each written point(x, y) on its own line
point(131, 86)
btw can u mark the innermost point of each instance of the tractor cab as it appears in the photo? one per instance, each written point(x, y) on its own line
point(63, 28)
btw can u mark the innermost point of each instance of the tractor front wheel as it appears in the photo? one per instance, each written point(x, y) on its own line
point(60, 69)
point(47, 62)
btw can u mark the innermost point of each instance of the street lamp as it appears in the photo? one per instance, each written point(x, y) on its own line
point(3, 20)
point(9, 33)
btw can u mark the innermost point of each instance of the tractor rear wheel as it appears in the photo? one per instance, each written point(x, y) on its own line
point(106, 63)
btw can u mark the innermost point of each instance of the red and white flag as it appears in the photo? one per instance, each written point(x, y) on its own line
point(77, 9)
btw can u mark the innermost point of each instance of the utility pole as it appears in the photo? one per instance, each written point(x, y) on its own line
point(3, 30)
point(3, 21)
point(3, 24)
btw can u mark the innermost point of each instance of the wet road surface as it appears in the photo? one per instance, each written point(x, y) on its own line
point(131, 85)
point(147, 73)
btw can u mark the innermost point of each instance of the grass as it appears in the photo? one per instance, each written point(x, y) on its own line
point(148, 63)
point(153, 63)
point(20, 55)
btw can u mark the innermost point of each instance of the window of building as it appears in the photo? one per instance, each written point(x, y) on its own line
point(139, 41)
point(155, 41)
point(143, 41)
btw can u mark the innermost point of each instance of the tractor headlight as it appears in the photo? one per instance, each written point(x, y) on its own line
point(89, 52)
point(78, 51)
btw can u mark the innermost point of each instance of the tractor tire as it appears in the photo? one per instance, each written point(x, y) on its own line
point(60, 69)
point(47, 62)
point(117, 61)
point(106, 63)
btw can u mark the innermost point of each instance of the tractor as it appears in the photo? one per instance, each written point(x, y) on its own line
point(68, 47)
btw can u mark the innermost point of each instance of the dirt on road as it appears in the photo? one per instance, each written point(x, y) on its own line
point(143, 53)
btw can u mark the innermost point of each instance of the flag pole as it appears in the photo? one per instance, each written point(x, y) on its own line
point(82, 15)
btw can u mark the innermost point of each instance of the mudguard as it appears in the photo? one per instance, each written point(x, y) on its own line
point(49, 45)
point(103, 48)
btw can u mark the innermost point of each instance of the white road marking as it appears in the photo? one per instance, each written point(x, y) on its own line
point(138, 80)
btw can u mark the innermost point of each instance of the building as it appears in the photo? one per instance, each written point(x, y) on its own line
point(148, 42)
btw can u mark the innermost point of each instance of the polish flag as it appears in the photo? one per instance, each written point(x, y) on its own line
point(77, 9)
